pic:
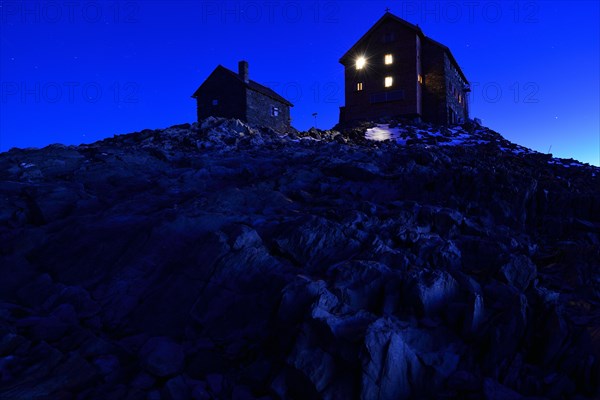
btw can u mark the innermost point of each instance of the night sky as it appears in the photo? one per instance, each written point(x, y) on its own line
point(76, 72)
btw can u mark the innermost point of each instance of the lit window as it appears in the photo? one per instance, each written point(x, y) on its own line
point(274, 111)
point(420, 78)
point(359, 86)
point(389, 59)
point(215, 102)
point(360, 62)
point(389, 81)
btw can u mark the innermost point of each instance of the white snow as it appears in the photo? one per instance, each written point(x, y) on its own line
point(560, 162)
point(456, 140)
point(383, 132)
point(456, 136)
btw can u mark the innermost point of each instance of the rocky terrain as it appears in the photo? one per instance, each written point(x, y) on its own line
point(222, 261)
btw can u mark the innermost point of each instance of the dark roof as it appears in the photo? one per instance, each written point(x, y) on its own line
point(252, 85)
point(415, 28)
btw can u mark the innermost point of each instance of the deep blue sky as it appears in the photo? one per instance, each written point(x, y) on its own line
point(74, 72)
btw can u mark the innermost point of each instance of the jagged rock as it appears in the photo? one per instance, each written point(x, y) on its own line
point(519, 271)
point(176, 389)
point(495, 391)
point(316, 241)
point(430, 290)
point(162, 357)
point(363, 285)
point(53, 374)
point(44, 328)
point(401, 361)
point(215, 383)
point(225, 260)
point(106, 363)
point(317, 365)
point(143, 381)
point(200, 393)
point(391, 369)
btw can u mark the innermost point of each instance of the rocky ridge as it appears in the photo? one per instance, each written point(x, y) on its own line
point(219, 260)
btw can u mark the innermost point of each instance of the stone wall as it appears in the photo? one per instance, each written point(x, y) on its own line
point(259, 111)
point(454, 88)
point(434, 86)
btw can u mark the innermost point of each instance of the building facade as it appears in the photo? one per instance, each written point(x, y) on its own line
point(229, 95)
point(394, 70)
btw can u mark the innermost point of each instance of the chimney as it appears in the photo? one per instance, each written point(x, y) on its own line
point(243, 70)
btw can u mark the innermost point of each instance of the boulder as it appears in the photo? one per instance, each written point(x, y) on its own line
point(391, 369)
point(429, 291)
point(176, 389)
point(519, 272)
point(162, 357)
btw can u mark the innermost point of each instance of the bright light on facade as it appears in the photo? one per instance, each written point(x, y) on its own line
point(360, 62)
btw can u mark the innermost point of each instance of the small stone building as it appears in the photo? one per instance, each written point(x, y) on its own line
point(227, 94)
point(394, 70)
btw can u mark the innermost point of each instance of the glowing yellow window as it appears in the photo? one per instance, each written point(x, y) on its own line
point(389, 59)
point(389, 81)
point(360, 62)
point(420, 78)
point(359, 86)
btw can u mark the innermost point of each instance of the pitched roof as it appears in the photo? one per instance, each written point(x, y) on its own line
point(415, 28)
point(387, 15)
point(252, 85)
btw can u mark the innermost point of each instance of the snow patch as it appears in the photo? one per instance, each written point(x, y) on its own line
point(456, 140)
point(383, 132)
point(558, 161)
